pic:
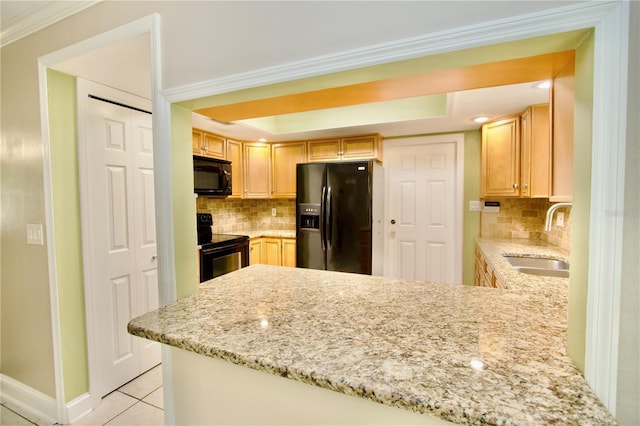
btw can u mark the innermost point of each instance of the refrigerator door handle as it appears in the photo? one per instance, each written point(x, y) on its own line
point(322, 215)
point(328, 218)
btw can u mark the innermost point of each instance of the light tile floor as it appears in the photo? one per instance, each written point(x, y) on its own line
point(139, 402)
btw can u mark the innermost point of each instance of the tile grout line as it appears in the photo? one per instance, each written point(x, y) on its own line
point(138, 400)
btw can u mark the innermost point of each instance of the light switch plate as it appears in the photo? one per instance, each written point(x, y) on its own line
point(34, 234)
point(475, 206)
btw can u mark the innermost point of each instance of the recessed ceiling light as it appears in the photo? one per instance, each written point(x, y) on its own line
point(543, 85)
point(262, 140)
point(481, 119)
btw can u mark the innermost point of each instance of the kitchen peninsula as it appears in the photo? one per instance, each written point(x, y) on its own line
point(426, 352)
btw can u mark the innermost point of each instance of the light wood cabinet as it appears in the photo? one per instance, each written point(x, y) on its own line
point(562, 107)
point(257, 170)
point(234, 154)
point(268, 170)
point(535, 152)
point(515, 155)
point(255, 251)
point(351, 148)
point(284, 157)
point(208, 144)
point(485, 275)
point(500, 169)
point(289, 252)
point(273, 251)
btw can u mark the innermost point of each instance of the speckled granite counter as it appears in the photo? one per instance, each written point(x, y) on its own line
point(277, 233)
point(401, 343)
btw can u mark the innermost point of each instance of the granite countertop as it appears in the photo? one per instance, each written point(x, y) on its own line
point(403, 343)
point(276, 233)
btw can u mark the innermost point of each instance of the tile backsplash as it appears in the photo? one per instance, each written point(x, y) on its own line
point(524, 218)
point(518, 218)
point(233, 215)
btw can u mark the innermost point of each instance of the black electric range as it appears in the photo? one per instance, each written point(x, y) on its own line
point(219, 253)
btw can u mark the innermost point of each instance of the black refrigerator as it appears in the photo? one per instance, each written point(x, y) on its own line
point(339, 211)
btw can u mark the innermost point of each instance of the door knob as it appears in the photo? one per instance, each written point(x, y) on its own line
point(393, 221)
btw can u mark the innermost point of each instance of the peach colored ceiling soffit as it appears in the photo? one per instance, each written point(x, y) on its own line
point(514, 71)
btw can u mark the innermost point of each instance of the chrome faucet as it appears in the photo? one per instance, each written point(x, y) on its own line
point(553, 208)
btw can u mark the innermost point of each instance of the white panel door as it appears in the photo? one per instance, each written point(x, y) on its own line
point(422, 210)
point(118, 233)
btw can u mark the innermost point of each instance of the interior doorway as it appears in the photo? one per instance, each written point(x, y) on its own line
point(115, 145)
point(424, 208)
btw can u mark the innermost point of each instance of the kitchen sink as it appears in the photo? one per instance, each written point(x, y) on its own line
point(539, 266)
point(564, 273)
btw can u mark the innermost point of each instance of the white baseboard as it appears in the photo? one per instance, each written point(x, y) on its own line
point(79, 407)
point(39, 407)
point(29, 402)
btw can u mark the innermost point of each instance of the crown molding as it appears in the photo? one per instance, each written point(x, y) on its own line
point(567, 18)
point(34, 20)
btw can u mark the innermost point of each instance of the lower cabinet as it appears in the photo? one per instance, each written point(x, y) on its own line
point(255, 251)
point(289, 252)
point(485, 276)
point(273, 251)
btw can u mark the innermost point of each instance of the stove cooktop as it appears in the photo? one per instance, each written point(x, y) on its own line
point(221, 240)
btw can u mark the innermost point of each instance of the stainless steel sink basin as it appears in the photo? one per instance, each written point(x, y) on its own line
point(539, 266)
point(564, 273)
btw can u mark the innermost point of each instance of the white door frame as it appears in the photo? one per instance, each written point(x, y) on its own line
point(67, 412)
point(611, 22)
point(458, 140)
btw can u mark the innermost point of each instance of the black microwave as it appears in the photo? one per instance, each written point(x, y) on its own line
point(211, 177)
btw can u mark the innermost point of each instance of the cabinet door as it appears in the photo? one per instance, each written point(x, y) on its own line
point(255, 251)
point(257, 170)
point(284, 157)
point(563, 99)
point(324, 150)
point(361, 147)
point(234, 154)
point(501, 158)
point(535, 152)
point(271, 251)
point(197, 142)
point(289, 252)
point(214, 146)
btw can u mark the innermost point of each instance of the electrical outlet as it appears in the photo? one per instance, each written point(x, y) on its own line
point(34, 234)
point(560, 219)
point(273, 212)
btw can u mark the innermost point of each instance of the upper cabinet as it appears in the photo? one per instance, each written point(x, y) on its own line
point(351, 148)
point(500, 172)
point(268, 170)
point(563, 100)
point(208, 144)
point(515, 155)
point(257, 170)
point(284, 157)
point(535, 148)
point(234, 154)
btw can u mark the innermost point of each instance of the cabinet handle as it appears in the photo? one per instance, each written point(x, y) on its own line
point(525, 185)
point(515, 186)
